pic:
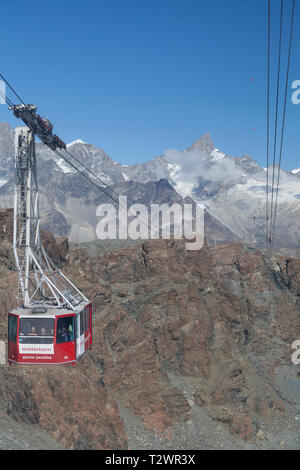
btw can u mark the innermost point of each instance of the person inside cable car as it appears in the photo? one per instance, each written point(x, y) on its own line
point(43, 332)
point(33, 331)
point(63, 336)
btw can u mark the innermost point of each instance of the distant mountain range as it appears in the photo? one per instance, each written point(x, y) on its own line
point(232, 189)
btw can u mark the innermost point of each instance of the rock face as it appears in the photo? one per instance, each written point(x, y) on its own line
point(191, 350)
point(56, 248)
point(6, 224)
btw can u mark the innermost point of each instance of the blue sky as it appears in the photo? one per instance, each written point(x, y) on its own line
point(139, 77)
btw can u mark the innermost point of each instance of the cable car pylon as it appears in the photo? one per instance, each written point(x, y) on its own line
point(41, 282)
point(54, 323)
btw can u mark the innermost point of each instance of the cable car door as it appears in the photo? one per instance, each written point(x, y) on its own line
point(79, 334)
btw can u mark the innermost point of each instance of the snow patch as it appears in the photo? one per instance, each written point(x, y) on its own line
point(217, 155)
point(78, 141)
point(173, 169)
point(184, 188)
point(2, 183)
point(105, 177)
point(289, 189)
point(64, 166)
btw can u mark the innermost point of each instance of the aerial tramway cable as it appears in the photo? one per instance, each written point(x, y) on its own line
point(284, 116)
point(268, 119)
point(11, 88)
point(276, 121)
point(59, 154)
point(84, 170)
point(96, 184)
point(6, 99)
point(271, 209)
point(9, 102)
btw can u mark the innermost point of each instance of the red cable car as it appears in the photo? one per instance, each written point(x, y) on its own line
point(44, 335)
point(54, 323)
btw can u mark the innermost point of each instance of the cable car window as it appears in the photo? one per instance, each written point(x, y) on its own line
point(36, 330)
point(81, 323)
point(12, 328)
point(65, 330)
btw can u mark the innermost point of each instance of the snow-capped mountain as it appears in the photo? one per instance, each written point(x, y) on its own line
point(233, 189)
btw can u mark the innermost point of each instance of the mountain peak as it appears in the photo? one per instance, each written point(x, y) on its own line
point(4, 125)
point(204, 144)
point(78, 141)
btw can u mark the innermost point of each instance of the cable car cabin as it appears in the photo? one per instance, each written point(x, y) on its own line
point(49, 335)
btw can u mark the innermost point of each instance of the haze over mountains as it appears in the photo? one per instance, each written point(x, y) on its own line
point(232, 189)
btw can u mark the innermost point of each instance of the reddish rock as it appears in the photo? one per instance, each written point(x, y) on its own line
point(220, 320)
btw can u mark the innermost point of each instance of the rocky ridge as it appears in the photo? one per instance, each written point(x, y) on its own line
point(191, 350)
point(232, 189)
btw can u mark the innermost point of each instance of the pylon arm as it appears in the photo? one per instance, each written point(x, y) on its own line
point(39, 279)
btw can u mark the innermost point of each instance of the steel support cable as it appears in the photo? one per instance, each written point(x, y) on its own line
point(268, 119)
point(100, 187)
point(84, 174)
point(276, 122)
point(284, 116)
point(97, 185)
point(88, 171)
point(6, 99)
point(93, 175)
point(69, 153)
point(105, 185)
point(11, 88)
point(72, 156)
